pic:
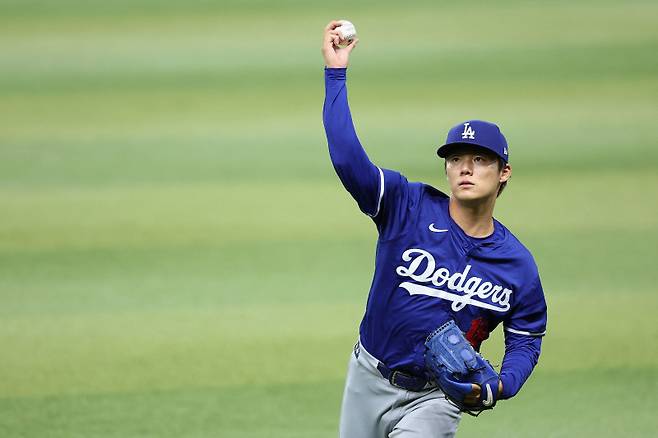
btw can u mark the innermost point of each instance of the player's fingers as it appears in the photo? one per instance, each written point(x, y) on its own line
point(329, 40)
point(476, 389)
point(334, 32)
point(334, 39)
point(352, 45)
point(336, 35)
point(332, 25)
point(474, 396)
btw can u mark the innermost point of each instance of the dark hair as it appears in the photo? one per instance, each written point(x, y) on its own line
point(501, 166)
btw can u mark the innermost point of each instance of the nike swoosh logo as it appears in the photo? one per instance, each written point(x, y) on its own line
point(489, 400)
point(436, 230)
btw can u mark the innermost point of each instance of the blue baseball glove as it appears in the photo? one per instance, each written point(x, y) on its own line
point(455, 366)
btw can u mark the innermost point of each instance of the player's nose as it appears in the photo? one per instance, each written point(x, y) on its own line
point(466, 167)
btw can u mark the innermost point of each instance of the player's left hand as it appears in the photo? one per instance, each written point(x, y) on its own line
point(473, 398)
point(458, 387)
point(467, 380)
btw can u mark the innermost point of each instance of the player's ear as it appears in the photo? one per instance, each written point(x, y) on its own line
point(506, 173)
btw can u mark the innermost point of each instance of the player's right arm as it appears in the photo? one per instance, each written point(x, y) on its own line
point(383, 194)
point(362, 179)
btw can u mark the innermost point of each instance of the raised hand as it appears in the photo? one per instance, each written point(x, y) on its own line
point(334, 56)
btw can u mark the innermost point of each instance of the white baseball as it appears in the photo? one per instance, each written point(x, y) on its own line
point(347, 32)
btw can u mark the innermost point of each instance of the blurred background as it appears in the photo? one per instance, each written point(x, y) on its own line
point(178, 258)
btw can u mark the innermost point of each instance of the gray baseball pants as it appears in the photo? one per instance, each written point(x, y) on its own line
point(374, 408)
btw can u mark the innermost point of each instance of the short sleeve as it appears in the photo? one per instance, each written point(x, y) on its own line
point(398, 201)
point(528, 315)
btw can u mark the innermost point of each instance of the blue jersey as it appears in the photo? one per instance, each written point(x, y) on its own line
point(427, 269)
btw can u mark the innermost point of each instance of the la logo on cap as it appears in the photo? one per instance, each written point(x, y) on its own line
point(468, 132)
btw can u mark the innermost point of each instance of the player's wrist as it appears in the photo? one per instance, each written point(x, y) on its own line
point(335, 73)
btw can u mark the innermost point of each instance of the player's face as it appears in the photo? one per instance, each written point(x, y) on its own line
point(473, 174)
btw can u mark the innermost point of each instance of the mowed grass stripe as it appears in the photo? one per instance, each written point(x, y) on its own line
point(176, 349)
point(432, 28)
point(259, 345)
point(575, 115)
point(78, 283)
point(191, 71)
point(331, 270)
point(102, 138)
point(289, 410)
point(311, 410)
point(209, 214)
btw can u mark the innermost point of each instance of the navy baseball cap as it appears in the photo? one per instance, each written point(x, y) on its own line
point(477, 133)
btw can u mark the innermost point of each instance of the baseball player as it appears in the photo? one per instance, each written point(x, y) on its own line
point(447, 273)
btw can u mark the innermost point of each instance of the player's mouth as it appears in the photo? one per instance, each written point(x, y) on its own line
point(466, 184)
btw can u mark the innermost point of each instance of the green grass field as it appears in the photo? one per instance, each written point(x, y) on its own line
point(178, 259)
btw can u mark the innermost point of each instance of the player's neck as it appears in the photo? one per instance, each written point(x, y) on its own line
point(476, 219)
